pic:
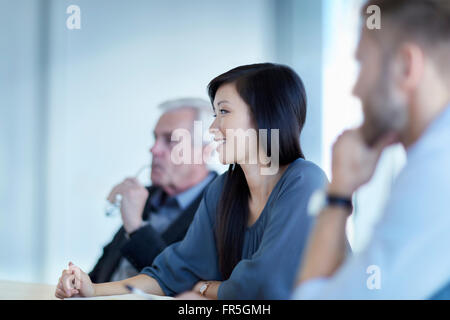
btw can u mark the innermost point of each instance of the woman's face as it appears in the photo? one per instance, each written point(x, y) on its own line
point(233, 127)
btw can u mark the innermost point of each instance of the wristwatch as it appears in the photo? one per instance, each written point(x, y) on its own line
point(320, 199)
point(203, 288)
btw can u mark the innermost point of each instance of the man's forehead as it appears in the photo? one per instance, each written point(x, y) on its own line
point(366, 42)
point(359, 49)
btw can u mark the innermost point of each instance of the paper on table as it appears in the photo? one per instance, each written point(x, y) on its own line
point(129, 296)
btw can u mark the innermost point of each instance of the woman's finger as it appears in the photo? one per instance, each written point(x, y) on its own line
point(59, 293)
point(77, 272)
point(67, 283)
point(66, 273)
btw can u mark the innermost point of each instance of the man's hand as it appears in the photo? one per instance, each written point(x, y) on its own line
point(354, 162)
point(134, 196)
point(353, 165)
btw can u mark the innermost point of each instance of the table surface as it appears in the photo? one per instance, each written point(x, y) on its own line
point(12, 290)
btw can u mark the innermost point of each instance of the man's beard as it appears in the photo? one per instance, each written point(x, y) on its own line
point(385, 111)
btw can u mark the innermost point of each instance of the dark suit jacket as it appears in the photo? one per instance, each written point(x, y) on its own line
point(145, 244)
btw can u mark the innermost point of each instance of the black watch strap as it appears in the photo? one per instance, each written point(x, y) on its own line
point(338, 201)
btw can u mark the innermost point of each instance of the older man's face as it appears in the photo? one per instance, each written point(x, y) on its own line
point(164, 172)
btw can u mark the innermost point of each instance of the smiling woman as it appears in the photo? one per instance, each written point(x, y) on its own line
point(245, 218)
point(261, 96)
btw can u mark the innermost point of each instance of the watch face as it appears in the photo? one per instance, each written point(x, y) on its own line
point(316, 202)
point(203, 288)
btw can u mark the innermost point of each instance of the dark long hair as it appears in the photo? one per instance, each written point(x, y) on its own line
point(276, 97)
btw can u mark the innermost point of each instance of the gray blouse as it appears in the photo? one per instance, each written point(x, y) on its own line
point(272, 247)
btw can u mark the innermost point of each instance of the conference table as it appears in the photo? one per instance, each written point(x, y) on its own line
point(13, 290)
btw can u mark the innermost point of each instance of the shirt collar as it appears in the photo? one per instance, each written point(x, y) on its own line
point(185, 198)
point(433, 134)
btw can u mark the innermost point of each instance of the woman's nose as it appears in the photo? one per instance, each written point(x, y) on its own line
point(213, 127)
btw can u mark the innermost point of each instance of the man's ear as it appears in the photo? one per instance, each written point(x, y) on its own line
point(411, 62)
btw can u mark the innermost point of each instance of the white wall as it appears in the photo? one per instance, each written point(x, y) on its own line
point(299, 44)
point(22, 131)
point(78, 108)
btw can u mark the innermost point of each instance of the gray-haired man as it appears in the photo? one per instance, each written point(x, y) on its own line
point(156, 216)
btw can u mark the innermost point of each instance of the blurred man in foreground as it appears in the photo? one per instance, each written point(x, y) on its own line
point(404, 86)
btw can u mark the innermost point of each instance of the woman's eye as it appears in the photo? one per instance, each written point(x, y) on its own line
point(221, 111)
